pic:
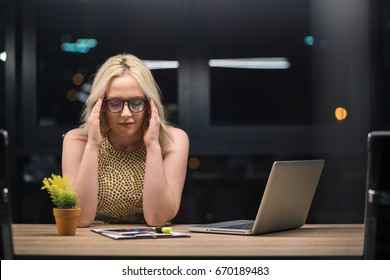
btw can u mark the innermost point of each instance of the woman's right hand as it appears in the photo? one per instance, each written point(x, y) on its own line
point(94, 133)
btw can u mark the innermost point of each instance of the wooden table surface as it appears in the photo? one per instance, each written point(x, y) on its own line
point(312, 241)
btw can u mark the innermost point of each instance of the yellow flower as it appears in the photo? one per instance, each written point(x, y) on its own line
point(60, 191)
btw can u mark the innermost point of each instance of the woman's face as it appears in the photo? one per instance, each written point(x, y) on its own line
point(125, 105)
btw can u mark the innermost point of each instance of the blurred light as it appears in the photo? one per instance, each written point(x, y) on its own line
point(309, 40)
point(252, 63)
point(82, 96)
point(78, 79)
point(80, 46)
point(74, 48)
point(162, 64)
point(193, 163)
point(340, 113)
point(86, 87)
point(3, 56)
point(71, 95)
point(90, 43)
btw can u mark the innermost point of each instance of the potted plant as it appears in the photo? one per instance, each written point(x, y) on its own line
point(64, 198)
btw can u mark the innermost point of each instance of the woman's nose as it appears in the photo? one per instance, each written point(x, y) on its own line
point(126, 110)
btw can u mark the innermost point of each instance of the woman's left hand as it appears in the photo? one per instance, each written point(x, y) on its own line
point(151, 135)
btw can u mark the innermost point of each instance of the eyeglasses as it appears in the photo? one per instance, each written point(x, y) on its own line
point(116, 105)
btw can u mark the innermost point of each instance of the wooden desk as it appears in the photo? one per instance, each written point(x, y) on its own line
point(325, 241)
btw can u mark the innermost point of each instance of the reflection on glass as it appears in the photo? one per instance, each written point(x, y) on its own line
point(251, 63)
point(259, 69)
point(162, 64)
point(3, 56)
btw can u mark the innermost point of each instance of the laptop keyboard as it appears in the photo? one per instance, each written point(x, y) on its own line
point(242, 226)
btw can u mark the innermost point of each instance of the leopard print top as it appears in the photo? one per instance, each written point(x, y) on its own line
point(121, 179)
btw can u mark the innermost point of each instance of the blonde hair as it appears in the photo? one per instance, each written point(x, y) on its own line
point(116, 66)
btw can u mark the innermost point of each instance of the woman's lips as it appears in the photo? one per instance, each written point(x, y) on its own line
point(126, 124)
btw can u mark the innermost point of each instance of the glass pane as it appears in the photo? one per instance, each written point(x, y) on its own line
point(33, 204)
point(2, 64)
point(272, 85)
point(86, 33)
point(386, 62)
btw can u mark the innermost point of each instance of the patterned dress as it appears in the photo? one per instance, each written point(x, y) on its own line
point(121, 179)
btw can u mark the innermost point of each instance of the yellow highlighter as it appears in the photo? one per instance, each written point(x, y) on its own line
point(163, 230)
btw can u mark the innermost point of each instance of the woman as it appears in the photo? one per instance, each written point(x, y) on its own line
point(126, 164)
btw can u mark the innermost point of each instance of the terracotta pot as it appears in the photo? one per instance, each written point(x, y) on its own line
point(66, 220)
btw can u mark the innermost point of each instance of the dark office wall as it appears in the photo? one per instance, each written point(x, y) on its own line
point(2, 64)
point(239, 120)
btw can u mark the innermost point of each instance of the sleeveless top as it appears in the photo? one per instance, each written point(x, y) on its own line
point(121, 180)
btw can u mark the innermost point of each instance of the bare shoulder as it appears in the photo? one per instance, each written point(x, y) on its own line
point(178, 135)
point(76, 134)
point(179, 141)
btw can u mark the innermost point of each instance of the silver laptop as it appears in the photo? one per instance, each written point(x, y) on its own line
point(285, 203)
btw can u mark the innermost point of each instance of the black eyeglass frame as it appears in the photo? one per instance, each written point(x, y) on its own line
point(106, 100)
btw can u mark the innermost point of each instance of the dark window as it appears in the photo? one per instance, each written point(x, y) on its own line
point(86, 33)
point(273, 87)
